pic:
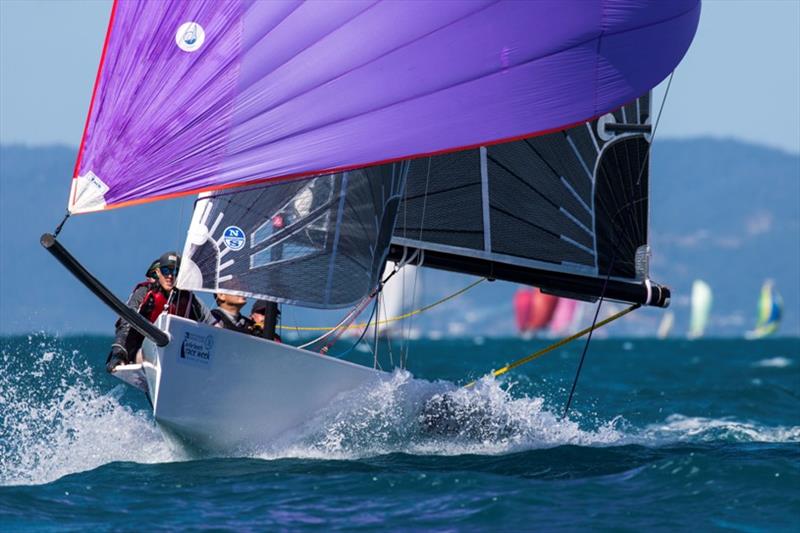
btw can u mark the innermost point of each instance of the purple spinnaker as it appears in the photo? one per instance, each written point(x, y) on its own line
point(208, 94)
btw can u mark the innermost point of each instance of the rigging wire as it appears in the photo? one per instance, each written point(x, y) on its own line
point(589, 338)
point(344, 323)
point(655, 127)
point(404, 356)
point(614, 255)
point(562, 342)
point(396, 318)
point(360, 338)
point(375, 363)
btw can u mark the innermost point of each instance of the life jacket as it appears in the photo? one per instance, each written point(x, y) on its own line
point(243, 324)
point(155, 301)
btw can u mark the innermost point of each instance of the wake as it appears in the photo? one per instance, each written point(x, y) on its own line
point(57, 420)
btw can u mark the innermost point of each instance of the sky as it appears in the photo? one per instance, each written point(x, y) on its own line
point(740, 79)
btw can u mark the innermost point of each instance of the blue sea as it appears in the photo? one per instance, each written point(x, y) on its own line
point(663, 435)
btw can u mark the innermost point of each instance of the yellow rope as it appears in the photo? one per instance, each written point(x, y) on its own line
point(393, 319)
point(562, 342)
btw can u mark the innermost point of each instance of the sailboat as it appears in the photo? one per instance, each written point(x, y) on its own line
point(533, 309)
point(770, 310)
point(665, 326)
point(399, 295)
point(701, 308)
point(508, 140)
point(565, 317)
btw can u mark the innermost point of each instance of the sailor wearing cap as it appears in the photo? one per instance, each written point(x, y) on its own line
point(150, 298)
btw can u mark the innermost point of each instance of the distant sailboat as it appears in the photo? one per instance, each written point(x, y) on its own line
point(533, 309)
point(399, 294)
point(701, 308)
point(563, 316)
point(666, 324)
point(770, 310)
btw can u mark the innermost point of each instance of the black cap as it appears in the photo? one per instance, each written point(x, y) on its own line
point(169, 259)
point(262, 306)
point(151, 270)
point(259, 306)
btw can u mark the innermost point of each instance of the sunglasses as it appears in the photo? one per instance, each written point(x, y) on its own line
point(167, 271)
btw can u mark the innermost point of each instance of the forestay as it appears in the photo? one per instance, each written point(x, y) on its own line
point(319, 242)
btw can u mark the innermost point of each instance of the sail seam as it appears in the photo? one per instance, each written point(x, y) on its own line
point(456, 84)
point(366, 63)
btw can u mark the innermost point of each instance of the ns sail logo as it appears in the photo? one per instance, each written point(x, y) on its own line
point(233, 237)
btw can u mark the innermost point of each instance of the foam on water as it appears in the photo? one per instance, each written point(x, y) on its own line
point(57, 420)
point(389, 417)
point(773, 362)
point(679, 428)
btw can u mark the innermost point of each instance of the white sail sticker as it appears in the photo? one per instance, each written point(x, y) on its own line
point(190, 36)
point(87, 194)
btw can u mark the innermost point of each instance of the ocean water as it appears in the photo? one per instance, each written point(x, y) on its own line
point(662, 435)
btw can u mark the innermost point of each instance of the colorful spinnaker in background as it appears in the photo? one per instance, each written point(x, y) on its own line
point(770, 310)
point(564, 317)
point(701, 308)
point(204, 95)
point(535, 310)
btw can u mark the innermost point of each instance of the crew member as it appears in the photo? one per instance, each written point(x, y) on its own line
point(151, 298)
point(228, 313)
point(265, 317)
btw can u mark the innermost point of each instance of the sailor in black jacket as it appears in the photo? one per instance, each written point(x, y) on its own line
point(228, 313)
point(151, 298)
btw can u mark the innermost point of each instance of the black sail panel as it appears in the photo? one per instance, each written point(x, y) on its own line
point(621, 202)
point(442, 201)
point(568, 208)
point(319, 242)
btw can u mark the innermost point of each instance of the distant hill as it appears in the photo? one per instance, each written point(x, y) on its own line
point(722, 210)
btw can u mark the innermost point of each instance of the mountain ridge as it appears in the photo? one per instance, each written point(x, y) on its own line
point(723, 210)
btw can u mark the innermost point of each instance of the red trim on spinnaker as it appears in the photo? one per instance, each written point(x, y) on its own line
point(94, 92)
point(288, 177)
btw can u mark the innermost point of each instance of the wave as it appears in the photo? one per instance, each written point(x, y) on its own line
point(678, 428)
point(773, 362)
point(57, 420)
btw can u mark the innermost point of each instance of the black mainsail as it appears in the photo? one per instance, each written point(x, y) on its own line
point(567, 211)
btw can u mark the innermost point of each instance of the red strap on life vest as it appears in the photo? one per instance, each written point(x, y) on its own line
point(159, 301)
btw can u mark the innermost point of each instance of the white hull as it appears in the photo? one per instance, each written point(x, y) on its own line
point(220, 391)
